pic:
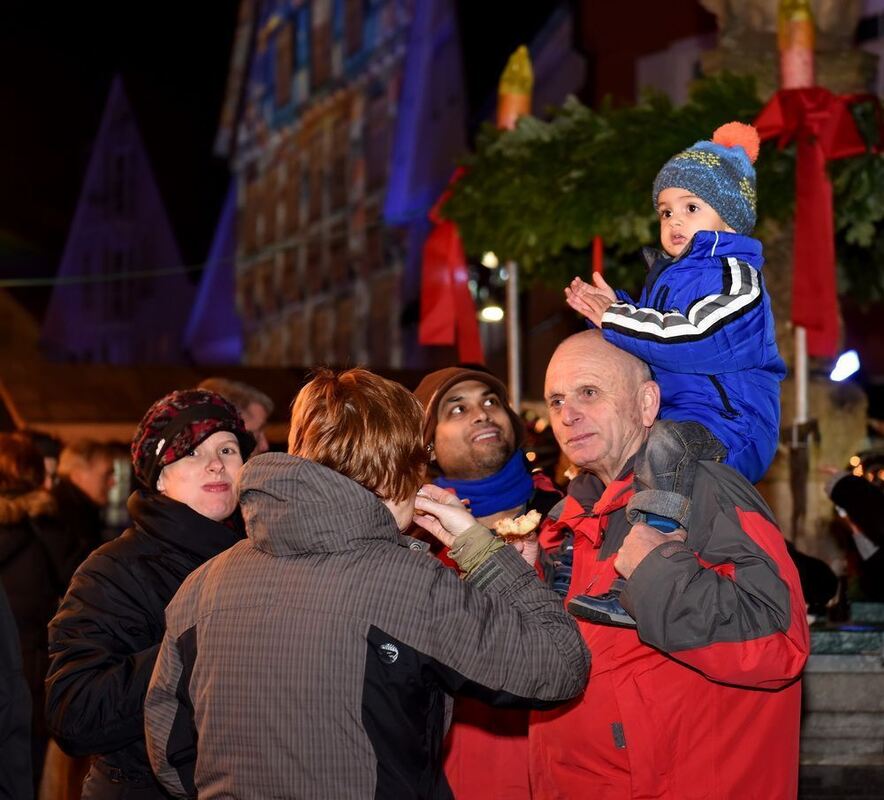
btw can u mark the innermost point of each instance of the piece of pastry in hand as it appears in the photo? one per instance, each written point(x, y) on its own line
point(520, 526)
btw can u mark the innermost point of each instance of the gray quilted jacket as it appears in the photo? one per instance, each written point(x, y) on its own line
point(315, 659)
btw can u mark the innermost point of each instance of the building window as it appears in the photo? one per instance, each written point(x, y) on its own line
point(321, 334)
point(317, 177)
point(353, 21)
point(320, 54)
point(380, 339)
point(376, 142)
point(295, 352)
point(283, 65)
point(314, 266)
point(291, 282)
point(343, 333)
point(292, 194)
point(340, 148)
point(338, 262)
point(373, 256)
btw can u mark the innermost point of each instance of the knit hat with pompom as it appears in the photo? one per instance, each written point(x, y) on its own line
point(719, 172)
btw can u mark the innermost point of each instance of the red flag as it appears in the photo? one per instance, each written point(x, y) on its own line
point(824, 129)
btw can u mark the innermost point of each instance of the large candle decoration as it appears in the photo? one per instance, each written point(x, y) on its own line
point(795, 38)
point(514, 89)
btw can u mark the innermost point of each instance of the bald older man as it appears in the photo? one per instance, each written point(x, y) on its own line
point(706, 689)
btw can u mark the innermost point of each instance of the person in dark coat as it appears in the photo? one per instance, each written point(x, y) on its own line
point(35, 561)
point(103, 641)
point(15, 713)
point(862, 504)
point(85, 478)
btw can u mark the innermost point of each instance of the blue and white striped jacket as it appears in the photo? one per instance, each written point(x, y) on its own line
point(704, 325)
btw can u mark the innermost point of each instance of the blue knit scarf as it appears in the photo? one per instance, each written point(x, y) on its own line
point(510, 487)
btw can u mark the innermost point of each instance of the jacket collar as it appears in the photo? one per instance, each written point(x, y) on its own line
point(293, 506)
point(709, 244)
point(179, 525)
point(589, 499)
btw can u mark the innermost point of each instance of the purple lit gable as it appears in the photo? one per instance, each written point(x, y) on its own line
point(214, 332)
point(123, 295)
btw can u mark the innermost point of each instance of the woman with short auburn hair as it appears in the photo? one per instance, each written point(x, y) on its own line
point(320, 654)
point(361, 425)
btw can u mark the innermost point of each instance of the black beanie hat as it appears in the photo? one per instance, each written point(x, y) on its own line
point(176, 424)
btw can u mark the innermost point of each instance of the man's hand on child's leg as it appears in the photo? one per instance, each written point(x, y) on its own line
point(640, 541)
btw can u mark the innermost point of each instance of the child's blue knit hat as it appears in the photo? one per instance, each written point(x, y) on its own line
point(719, 172)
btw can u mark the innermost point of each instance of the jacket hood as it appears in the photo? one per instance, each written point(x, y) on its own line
point(38, 503)
point(292, 506)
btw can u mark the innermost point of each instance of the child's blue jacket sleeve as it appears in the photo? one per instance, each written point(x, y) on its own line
point(723, 329)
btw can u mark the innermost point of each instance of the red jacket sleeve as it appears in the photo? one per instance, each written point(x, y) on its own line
point(734, 611)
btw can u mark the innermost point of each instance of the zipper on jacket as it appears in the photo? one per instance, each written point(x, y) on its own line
point(729, 411)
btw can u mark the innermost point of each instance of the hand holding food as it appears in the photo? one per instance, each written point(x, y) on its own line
point(520, 526)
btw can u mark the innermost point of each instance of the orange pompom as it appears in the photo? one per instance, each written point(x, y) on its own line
point(736, 133)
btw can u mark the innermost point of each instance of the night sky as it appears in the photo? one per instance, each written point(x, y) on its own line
point(58, 61)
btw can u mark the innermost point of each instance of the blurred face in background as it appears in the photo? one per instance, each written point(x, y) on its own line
point(51, 465)
point(254, 415)
point(95, 478)
point(205, 478)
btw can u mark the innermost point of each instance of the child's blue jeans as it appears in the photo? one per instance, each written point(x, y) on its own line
point(665, 468)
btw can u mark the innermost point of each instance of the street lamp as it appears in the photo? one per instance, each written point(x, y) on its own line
point(846, 365)
point(491, 313)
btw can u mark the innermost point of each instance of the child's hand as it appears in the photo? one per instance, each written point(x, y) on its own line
point(602, 286)
point(590, 301)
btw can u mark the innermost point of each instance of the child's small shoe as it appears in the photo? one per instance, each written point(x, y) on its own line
point(604, 609)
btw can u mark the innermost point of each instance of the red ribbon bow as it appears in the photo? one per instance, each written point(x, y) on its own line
point(821, 124)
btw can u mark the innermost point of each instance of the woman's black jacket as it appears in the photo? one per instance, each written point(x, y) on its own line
point(104, 639)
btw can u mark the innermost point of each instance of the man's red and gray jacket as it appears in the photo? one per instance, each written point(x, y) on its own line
point(703, 699)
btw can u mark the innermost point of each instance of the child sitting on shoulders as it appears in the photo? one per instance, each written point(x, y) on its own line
point(703, 323)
